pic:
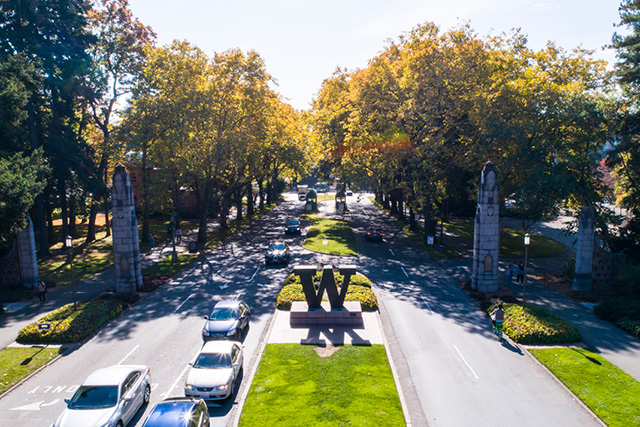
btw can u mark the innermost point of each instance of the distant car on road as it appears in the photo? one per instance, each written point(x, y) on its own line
point(214, 370)
point(374, 235)
point(179, 412)
point(349, 193)
point(228, 320)
point(277, 252)
point(293, 227)
point(108, 397)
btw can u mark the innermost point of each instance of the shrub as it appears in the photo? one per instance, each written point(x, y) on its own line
point(628, 283)
point(151, 282)
point(68, 326)
point(359, 290)
point(623, 312)
point(127, 297)
point(536, 325)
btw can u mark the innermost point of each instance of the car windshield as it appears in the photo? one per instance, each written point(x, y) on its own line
point(293, 222)
point(213, 360)
point(277, 247)
point(92, 397)
point(225, 313)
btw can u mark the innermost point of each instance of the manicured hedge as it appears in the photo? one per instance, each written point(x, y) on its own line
point(68, 326)
point(359, 290)
point(623, 312)
point(531, 324)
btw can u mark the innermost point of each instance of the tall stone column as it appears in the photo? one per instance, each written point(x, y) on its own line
point(126, 244)
point(27, 255)
point(486, 234)
point(583, 277)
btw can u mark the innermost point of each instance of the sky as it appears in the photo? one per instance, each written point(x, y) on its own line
point(303, 41)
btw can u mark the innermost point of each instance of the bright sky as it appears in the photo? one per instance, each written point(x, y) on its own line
point(303, 41)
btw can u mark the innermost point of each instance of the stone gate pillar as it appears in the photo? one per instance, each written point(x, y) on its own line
point(583, 277)
point(27, 255)
point(486, 234)
point(126, 245)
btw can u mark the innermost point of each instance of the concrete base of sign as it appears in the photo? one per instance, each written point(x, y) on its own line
point(302, 315)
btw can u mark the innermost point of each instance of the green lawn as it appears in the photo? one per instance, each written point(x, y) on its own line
point(166, 267)
point(609, 392)
point(293, 386)
point(18, 362)
point(511, 240)
point(325, 197)
point(330, 236)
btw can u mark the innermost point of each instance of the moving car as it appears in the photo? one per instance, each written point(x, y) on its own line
point(228, 320)
point(108, 397)
point(277, 252)
point(374, 235)
point(293, 227)
point(179, 412)
point(214, 370)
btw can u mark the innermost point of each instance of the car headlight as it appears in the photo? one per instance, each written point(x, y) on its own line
point(232, 332)
point(205, 333)
point(189, 387)
point(222, 387)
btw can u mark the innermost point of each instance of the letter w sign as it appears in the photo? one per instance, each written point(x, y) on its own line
point(328, 283)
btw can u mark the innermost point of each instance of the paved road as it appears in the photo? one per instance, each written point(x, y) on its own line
point(452, 370)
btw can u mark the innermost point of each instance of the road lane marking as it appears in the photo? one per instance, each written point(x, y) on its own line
point(405, 273)
point(176, 382)
point(466, 363)
point(129, 354)
point(256, 272)
point(425, 301)
point(225, 286)
point(178, 308)
point(392, 252)
point(35, 406)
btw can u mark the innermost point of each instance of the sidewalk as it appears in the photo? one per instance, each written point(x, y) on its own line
point(615, 345)
point(25, 313)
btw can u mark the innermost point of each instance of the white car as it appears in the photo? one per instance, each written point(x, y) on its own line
point(214, 370)
point(108, 397)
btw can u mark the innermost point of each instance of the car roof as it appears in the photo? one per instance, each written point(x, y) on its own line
point(171, 412)
point(227, 303)
point(112, 375)
point(277, 242)
point(218, 346)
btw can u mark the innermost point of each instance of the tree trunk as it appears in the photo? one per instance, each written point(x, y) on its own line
point(239, 205)
point(261, 190)
point(51, 233)
point(250, 200)
point(145, 195)
point(224, 210)
point(72, 217)
point(91, 226)
point(106, 208)
point(412, 220)
point(63, 208)
point(41, 211)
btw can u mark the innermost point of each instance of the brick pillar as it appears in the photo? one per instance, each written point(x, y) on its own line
point(583, 277)
point(486, 233)
point(126, 244)
point(27, 255)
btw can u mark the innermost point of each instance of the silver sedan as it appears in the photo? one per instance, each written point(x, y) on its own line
point(108, 397)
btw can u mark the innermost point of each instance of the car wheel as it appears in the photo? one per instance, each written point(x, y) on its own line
point(147, 395)
point(119, 424)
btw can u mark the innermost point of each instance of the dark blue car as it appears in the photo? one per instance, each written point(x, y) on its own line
point(179, 412)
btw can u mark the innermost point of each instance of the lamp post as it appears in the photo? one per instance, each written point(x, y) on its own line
point(527, 241)
point(174, 254)
point(69, 244)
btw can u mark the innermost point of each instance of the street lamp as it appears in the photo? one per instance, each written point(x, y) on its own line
point(174, 254)
point(527, 241)
point(69, 243)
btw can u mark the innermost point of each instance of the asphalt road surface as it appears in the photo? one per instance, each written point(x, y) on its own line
point(452, 370)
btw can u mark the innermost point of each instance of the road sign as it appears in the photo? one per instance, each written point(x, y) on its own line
point(45, 326)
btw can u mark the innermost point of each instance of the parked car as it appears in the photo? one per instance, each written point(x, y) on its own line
point(214, 370)
point(179, 412)
point(374, 235)
point(293, 227)
point(277, 252)
point(108, 397)
point(228, 320)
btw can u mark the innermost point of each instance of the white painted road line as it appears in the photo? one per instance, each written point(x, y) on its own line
point(466, 363)
point(178, 308)
point(168, 393)
point(425, 301)
point(405, 273)
point(256, 272)
point(392, 252)
point(129, 354)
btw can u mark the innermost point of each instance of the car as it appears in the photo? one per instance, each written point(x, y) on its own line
point(179, 412)
point(108, 397)
point(277, 252)
point(349, 193)
point(228, 320)
point(214, 370)
point(293, 227)
point(374, 234)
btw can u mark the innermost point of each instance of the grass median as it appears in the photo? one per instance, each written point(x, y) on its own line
point(609, 392)
point(330, 236)
point(17, 363)
point(296, 386)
